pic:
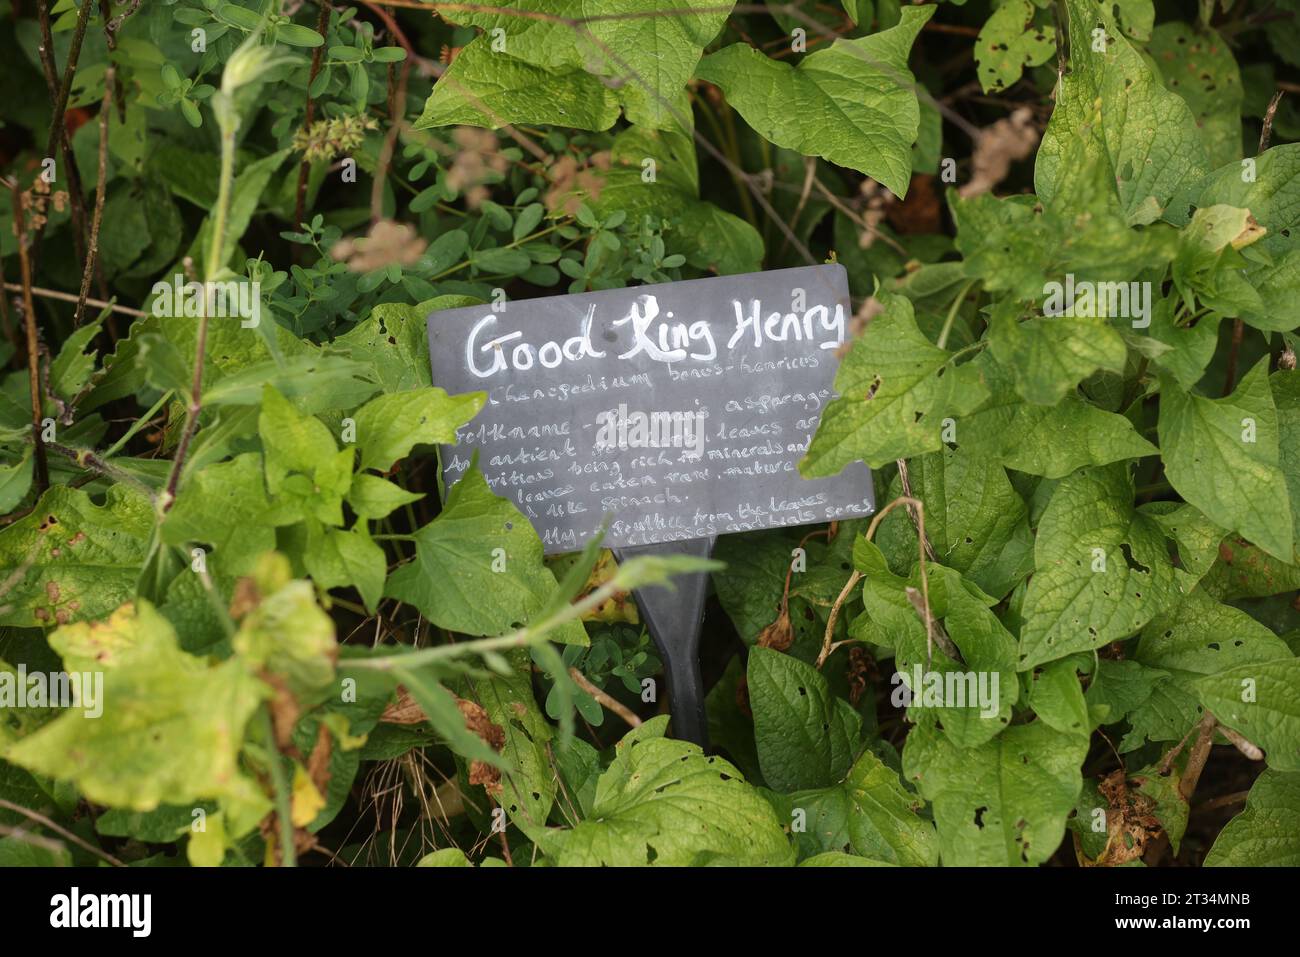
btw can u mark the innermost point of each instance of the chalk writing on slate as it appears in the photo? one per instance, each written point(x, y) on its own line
point(680, 409)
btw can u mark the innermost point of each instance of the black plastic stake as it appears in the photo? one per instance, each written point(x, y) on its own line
point(673, 616)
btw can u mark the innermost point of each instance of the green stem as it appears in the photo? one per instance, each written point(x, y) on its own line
point(952, 313)
point(283, 796)
point(137, 425)
point(218, 238)
point(216, 241)
point(517, 242)
point(733, 154)
point(533, 634)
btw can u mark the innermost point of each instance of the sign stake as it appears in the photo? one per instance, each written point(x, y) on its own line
point(674, 616)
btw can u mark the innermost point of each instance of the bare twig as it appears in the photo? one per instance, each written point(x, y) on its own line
point(10, 333)
point(63, 832)
point(69, 297)
point(111, 26)
point(1248, 748)
point(827, 642)
point(828, 645)
point(859, 220)
point(92, 250)
point(58, 138)
point(1226, 800)
point(1199, 755)
point(1266, 132)
point(35, 840)
point(33, 340)
point(620, 709)
point(918, 519)
point(116, 23)
point(304, 168)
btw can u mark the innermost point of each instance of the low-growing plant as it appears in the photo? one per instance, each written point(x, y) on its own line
point(242, 621)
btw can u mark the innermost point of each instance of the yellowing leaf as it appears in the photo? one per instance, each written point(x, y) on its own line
point(307, 800)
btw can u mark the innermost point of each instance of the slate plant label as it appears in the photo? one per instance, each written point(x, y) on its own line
point(681, 409)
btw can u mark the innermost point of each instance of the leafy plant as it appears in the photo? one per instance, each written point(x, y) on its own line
point(1068, 635)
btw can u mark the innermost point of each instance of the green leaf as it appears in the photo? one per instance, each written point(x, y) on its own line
point(836, 858)
point(245, 196)
point(853, 104)
point(500, 259)
point(306, 379)
point(393, 338)
point(76, 559)
point(870, 814)
point(1119, 687)
point(305, 470)
point(1003, 803)
point(1201, 636)
point(1267, 832)
point(1136, 17)
point(1245, 571)
point(1270, 189)
point(665, 803)
point(288, 633)
point(1102, 568)
point(1197, 64)
point(806, 736)
point(1056, 697)
point(372, 497)
point(1285, 386)
point(389, 426)
point(1198, 637)
point(709, 237)
point(894, 388)
point(974, 519)
point(338, 559)
point(447, 857)
point(238, 16)
point(643, 50)
point(1261, 701)
point(1221, 455)
point(1009, 41)
point(71, 369)
point(175, 741)
point(1145, 135)
point(1051, 441)
point(1196, 536)
point(527, 221)
point(750, 587)
point(454, 579)
point(528, 787)
point(1021, 245)
point(1051, 355)
point(15, 481)
point(298, 36)
point(1169, 807)
point(1190, 347)
point(225, 506)
point(972, 701)
point(482, 88)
